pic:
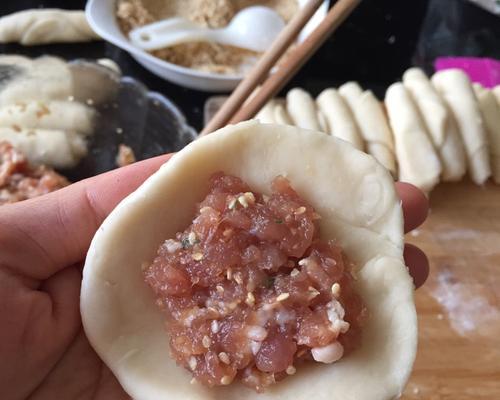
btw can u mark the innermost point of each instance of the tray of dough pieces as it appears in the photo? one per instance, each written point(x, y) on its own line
point(75, 116)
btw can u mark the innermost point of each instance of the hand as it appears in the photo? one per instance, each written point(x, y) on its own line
point(43, 350)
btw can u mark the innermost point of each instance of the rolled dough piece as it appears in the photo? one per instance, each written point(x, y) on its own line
point(373, 124)
point(455, 88)
point(302, 109)
point(59, 115)
point(417, 159)
point(281, 115)
point(44, 26)
point(41, 79)
point(490, 110)
point(356, 199)
point(266, 114)
point(439, 122)
point(496, 92)
point(341, 122)
point(55, 148)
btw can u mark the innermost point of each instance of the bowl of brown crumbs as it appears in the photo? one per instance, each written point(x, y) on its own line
point(196, 65)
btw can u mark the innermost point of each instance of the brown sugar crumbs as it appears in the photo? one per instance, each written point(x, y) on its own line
point(203, 56)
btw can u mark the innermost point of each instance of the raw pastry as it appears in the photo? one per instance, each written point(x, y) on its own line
point(281, 115)
point(417, 159)
point(340, 120)
point(496, 92)
point(59, 115)
point(490, 111)
point(266, 113)
point(55, 148)
point(359, 206)
point(302, 110)
point(456, 89)
point(439, 122)
point(373, 124)
point(41, 79)
point(44, 26)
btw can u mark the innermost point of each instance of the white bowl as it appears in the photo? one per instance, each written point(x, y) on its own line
point(101, 15)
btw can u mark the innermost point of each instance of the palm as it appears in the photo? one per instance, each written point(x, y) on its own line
point(46, 354)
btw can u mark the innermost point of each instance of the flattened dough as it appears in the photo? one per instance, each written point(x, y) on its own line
point(455, 88)
point(356, 198)
point(302, 109)
point(44, 26)
point(55, 148)
point(417, 160)
point(59, 115)
point(439, 122)
point(373, 124)
point(341, 122)
point(490, 111)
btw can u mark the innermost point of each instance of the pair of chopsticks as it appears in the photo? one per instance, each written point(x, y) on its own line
point(238, 107)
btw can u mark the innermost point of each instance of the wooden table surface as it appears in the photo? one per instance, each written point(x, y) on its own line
point(459, 306)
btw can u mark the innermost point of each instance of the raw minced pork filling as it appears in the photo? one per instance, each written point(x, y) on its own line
point(249, 289)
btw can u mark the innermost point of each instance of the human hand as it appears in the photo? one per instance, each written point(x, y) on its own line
point(44, 351)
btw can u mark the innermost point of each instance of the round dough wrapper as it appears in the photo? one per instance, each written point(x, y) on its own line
point(358, 204)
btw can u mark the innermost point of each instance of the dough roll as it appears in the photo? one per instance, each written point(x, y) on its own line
point(281, 115)
point(42, 79)
point(44, 26)
point(490, 111)
point(455, 88)
point(373, 124)
point(55, 148)
point(266, 113)
point(417, 159)
point(341, 122)
point(302, 109)
point(439, 122)
point(59, 115)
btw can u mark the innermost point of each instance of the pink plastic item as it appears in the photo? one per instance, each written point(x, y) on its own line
point(485, 71)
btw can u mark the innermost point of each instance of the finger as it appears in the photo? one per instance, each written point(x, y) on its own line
point(39, 237)
point(418, 264)
point(415, 205)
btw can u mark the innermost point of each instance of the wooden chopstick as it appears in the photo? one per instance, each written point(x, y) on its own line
point(262, 68)
point(296, 59)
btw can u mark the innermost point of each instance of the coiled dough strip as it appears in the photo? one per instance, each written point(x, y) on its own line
point(417, 159)
point(456, 89)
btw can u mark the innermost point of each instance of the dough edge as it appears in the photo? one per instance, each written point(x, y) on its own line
point(125, 328)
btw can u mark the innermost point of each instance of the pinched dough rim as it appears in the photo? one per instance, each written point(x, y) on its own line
point(357, 201)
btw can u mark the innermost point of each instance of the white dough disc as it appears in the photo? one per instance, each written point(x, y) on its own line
point(359, 206)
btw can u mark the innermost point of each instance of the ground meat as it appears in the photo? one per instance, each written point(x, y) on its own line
point(250, 290)
point(21, 181)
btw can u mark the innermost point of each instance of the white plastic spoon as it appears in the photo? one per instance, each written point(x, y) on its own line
point(253, 28)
